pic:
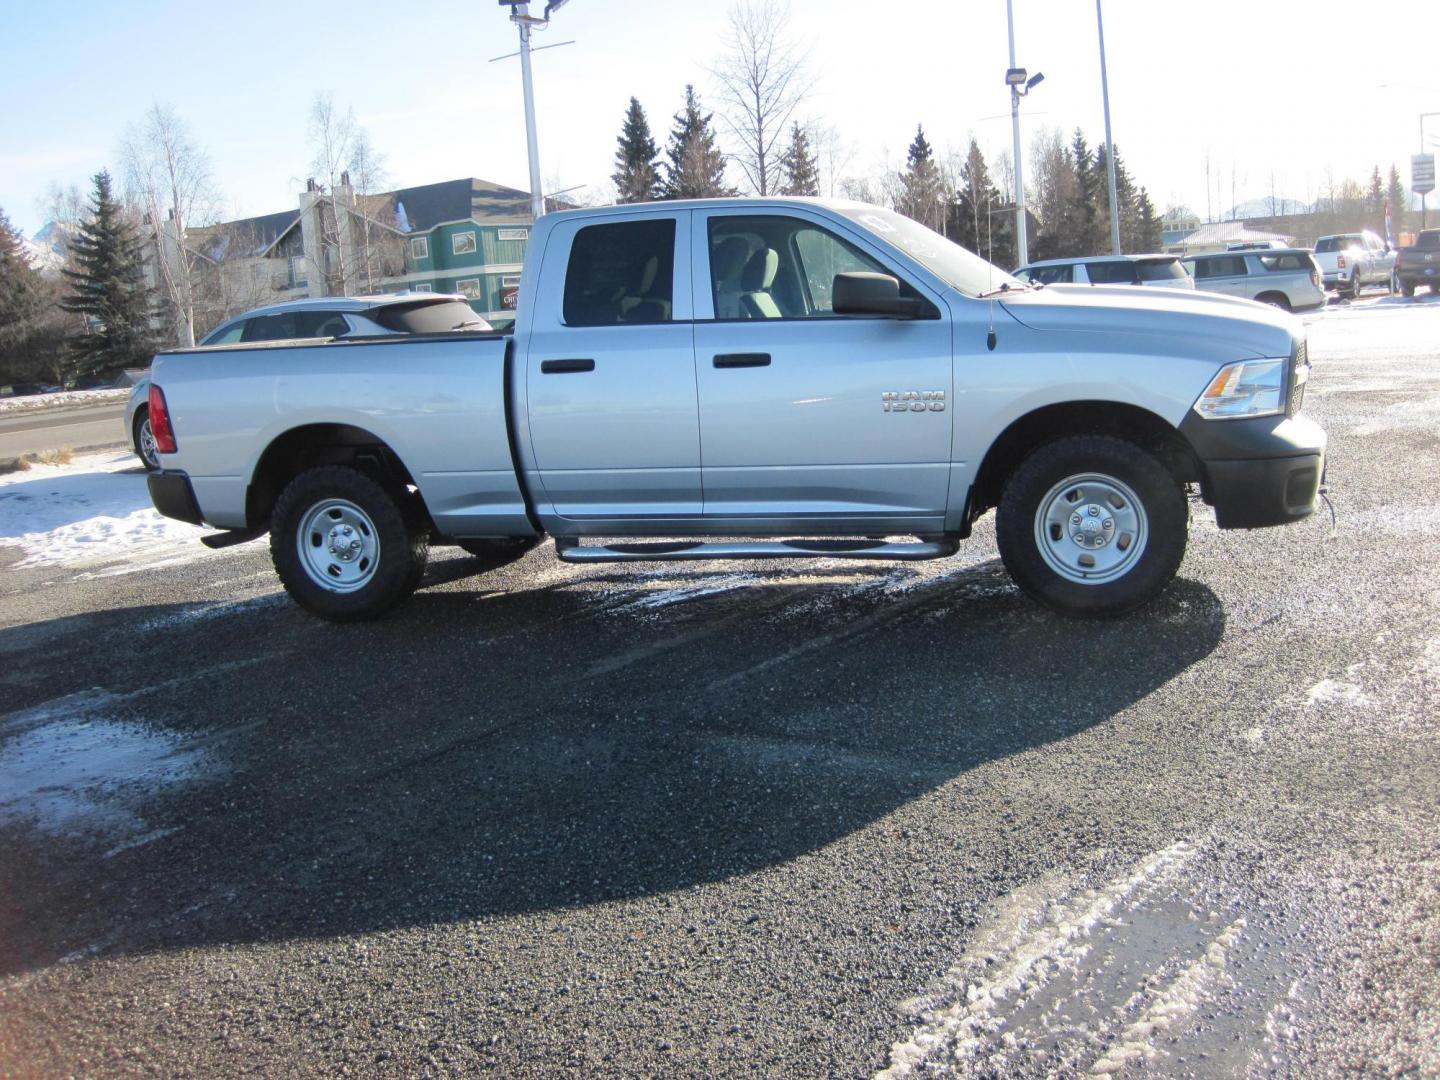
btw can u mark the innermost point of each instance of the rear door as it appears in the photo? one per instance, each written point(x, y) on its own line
point(1223, 274)
point(805, 414)
point(610, 371)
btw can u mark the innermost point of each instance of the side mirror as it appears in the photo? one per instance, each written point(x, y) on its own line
point(872, 294)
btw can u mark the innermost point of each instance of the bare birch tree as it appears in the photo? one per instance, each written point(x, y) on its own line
point(762, 80)
point(332, 142)
point(168, 177)
point(378, 246)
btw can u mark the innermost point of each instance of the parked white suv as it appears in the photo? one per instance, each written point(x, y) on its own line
point(1287, 278)
point(1108, 270)
point(1350, 261)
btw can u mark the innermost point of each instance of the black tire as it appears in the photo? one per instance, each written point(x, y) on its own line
point(1163, 521)
point(1435, 288)
point(494, 554)
point(142, 439)
point(1279, 300)
point(1407, 288)
point(1355, 286)
point(401, 543)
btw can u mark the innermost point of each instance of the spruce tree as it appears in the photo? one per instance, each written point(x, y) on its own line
point(922, 188)
point(23, 303)
point(799, 166)
point(1082, 232)
point(969, 224)
point(107, 287)
point(637, 169)
point(696, 169)
point(1395, 192)
point(1147, 223)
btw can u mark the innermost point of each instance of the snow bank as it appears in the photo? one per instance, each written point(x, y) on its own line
point(97, 508)
point(26, 402)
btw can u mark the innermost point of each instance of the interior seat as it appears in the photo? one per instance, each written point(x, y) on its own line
point(755, 299)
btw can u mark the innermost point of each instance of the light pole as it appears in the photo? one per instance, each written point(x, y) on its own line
point(521, 17)
point(1423, 115)
point(1109, 141)
point(1019, 87)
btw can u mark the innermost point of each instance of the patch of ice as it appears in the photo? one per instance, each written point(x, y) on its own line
point(1327, 690)
point(95, 508)
point(202, 613)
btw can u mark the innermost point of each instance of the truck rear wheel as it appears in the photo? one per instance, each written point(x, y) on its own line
point(1092, 525)
point(346, 548)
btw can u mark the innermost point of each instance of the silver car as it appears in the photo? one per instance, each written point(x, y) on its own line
point(321, 317)
point(1287, 278)
point(1162, 270)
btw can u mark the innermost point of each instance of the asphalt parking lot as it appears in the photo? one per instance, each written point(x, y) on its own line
point(733, 820)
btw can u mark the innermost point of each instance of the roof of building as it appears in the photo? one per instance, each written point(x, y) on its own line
point(1229, 232)
point(468, 198)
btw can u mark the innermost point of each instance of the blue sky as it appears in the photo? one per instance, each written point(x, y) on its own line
point(1256, 85)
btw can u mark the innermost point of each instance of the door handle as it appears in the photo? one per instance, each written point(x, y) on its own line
point(564, 367)
point(742, 359)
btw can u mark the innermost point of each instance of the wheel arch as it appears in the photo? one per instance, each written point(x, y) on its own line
point(309, 445)
point(1050, 422)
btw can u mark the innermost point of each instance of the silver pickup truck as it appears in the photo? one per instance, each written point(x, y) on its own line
point(786, 378)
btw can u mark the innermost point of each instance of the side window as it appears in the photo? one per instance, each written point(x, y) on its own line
point(1053, 275)
point(320, 324)
point(267, 328)
point(621, 273)
point(779, 268)
point(231, 336)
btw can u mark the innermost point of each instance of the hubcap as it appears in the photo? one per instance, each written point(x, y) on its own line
point(339, 549)
point(1091, 528)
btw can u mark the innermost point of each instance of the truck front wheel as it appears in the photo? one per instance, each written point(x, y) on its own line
point(346, 548)
point(1092, 525)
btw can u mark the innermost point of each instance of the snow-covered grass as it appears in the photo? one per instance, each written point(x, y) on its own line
point(96, 508)
point(26, 402)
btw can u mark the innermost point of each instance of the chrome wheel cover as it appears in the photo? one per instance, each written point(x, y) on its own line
point(148, 450)
point(338, 546)
point(1091, 529)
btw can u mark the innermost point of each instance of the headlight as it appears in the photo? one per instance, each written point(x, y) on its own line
point(1248, 388)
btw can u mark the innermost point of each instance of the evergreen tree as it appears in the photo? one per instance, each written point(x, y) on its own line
point(108, 289)
point(1375, 202)
point(23, 304)
point(1395, 192)
point(1082, 234)
point(696, 169)
point(637, 170)
point(1147, 223)
point(969, 223)
point(922, 188)
point(799, 166)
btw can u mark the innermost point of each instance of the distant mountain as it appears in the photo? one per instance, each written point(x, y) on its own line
point(46, 249)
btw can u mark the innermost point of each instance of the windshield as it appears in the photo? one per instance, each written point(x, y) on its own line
point(944, 258)
point(1337, 243)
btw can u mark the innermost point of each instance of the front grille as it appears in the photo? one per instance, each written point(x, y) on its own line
point(1299, 376)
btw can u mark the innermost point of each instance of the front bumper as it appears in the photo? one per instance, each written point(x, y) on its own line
point(173, 496)
point(1258, 472)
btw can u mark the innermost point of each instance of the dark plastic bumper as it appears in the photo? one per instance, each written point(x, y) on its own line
point(173, 496)
point(1260, 472)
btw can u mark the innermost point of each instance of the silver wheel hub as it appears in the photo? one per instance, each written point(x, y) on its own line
point(1091, 528)
point(338, 545)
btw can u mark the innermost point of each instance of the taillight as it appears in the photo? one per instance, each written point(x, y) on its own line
point(160, 422)
point(1315, 278)
point(1340, 262)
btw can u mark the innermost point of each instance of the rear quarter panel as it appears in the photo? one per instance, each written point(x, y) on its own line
point(438, 403)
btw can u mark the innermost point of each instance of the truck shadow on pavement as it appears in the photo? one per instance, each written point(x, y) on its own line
point(486, 753)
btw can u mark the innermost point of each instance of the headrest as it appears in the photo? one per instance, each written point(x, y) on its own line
point(647, 275)
point(760, 270)
point(729, 257)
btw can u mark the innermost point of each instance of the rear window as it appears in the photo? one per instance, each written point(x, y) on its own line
point(1160, 270)
point(621, 273)
point(1336, 243)
point(1115, 272)
point(1428, 239)
point(1289, 261)
point(428, 317)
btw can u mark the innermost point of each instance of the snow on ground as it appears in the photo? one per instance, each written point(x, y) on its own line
point(95, 508)
point(26, 402)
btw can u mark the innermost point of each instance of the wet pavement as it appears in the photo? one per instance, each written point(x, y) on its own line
point(784, 819)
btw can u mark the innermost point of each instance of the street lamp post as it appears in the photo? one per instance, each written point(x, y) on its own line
point(521, 17)
point(1019, 87)
point(1423, 115)
point(1109, 140)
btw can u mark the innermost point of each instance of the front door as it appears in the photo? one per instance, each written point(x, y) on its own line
point(610, 374)
point(806, 415)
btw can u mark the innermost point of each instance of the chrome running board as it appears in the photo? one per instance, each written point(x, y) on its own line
point(569, 549)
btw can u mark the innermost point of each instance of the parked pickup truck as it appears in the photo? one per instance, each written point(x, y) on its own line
point(1419, 264)
point(1350, 261)
point(791, 378)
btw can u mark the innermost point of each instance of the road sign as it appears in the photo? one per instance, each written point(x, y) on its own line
point(1422, 173)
